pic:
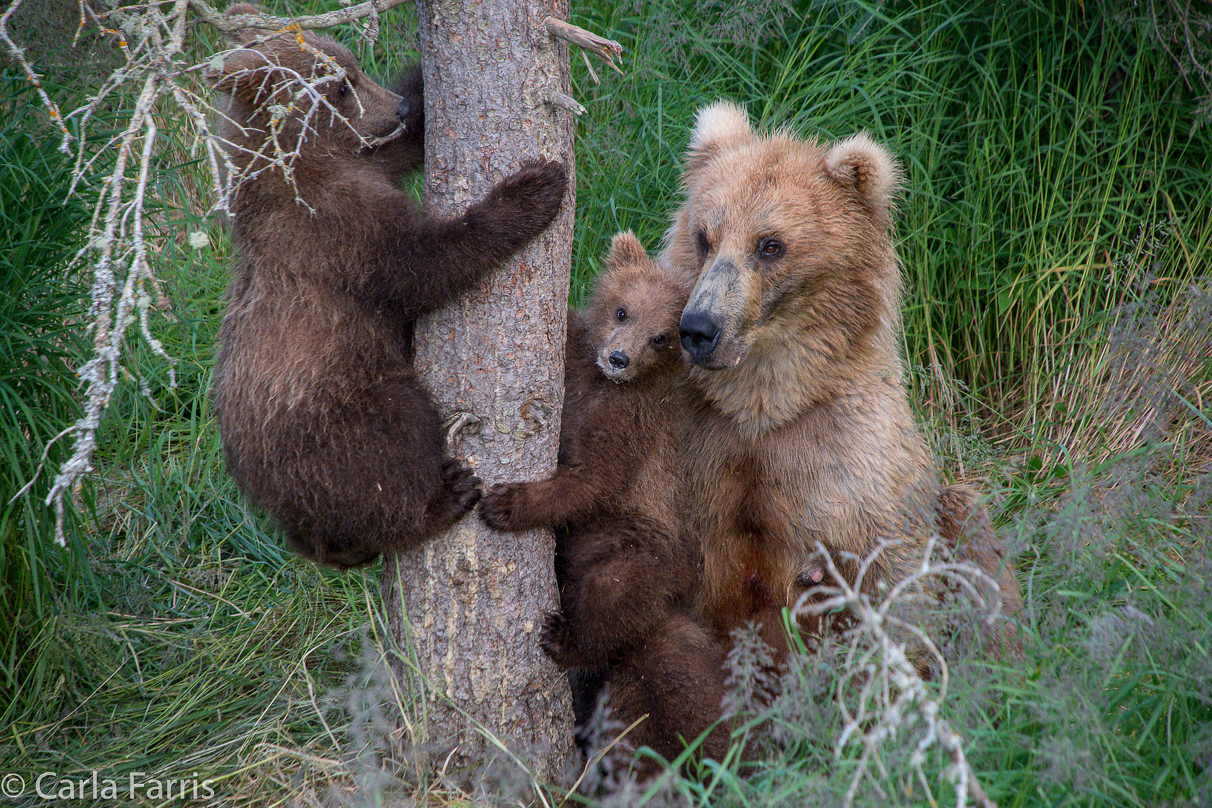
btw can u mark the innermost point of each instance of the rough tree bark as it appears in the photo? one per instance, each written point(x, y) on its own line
point(469, 604)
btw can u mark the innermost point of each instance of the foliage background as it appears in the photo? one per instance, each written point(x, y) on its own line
point(1054, 229)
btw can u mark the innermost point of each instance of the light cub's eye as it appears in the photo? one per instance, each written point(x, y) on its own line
point(621, 315)
point(703, 243)
point(770, 248)
point(659, 339)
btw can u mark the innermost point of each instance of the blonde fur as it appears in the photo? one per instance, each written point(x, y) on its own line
point(799, 430)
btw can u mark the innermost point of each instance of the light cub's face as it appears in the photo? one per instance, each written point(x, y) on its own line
point(634, 313)
point(779, 234)
point(317, 83)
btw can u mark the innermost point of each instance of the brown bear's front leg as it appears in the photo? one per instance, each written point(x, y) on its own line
point(459, 493)
point(544, 503)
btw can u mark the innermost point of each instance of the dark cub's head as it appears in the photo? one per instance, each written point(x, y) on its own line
point(633, 315)
point(306, 92)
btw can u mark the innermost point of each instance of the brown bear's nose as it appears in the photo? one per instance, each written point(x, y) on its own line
point(403, 109)
point(619, 359)
point(700, 334)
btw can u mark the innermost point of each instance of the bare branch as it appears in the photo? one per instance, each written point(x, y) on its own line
point(268, 22)
point(19, 54)
point(607, 49)
point(887, 693)
point(566, 102)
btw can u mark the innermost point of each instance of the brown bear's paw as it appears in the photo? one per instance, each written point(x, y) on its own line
point(460, 493)
point(505, 507)
point(556, 640)
point(528, 200)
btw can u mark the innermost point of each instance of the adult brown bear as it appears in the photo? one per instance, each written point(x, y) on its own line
point(323, 420)
point(800, 430)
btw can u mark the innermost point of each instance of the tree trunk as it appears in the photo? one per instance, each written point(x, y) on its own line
point(467, 606)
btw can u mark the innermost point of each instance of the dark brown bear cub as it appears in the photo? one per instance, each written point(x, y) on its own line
point(627, 574)
point(324, 423)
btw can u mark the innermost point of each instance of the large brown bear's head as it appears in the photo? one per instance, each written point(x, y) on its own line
point(788, 243)
point(632, 317)
point(304, 93)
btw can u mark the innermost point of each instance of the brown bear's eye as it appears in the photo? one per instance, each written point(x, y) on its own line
point(343, 90)
point(770, 248)
point(704, 244)
point(659, 339)
point(621, 315)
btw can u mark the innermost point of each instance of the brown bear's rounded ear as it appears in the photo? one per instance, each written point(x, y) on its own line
point(625, 249)
point(717, 126)
point(864, 165)
point(240, 72)
point(243, 36)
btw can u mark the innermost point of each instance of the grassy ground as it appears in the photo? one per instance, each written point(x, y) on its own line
point(1055, 233)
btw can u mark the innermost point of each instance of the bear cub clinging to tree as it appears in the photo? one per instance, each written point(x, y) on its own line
point(627, 573)
point(323, 420)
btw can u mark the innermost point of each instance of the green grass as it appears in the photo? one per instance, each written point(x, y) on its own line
point(1054, 228)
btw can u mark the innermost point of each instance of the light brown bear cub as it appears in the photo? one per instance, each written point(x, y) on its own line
point(323, 420)
point(800, 430)
point(627, 574)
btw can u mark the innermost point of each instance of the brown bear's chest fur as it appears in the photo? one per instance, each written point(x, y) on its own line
point(846, 473)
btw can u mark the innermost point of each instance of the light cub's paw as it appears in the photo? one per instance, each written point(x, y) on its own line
point(503, 507)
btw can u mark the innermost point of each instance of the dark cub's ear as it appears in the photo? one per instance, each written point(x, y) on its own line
point(244, 35)
point(247, 72)
point(625, 249)
point(867, 167)
point(717, 126)
point(234, 73)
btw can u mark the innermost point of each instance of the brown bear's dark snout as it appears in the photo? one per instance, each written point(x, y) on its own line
point(619, 360)
point(700, 334)
point(402, 110)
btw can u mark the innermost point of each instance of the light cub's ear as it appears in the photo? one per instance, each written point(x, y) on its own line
point(625, 249)
point(717, 126)
point(861, 163)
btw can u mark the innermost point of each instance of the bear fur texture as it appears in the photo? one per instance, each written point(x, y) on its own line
point(627, 573)
point(799, 427)
point(324, 423)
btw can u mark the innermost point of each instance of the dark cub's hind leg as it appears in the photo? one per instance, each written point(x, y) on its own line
point(370, 476)
point(619, 578)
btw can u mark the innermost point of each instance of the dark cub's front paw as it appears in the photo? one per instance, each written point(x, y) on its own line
point(556, 640)
point(460, 493)
point(503, 506)
point(528, 200)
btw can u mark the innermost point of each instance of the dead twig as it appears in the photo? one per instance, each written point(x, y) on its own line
point(891, 694)
point(606, 49)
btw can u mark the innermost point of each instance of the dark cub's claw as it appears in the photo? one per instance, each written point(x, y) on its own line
point(460, 493)
point(554, 639)
point(535, 192)
point(462, 483)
